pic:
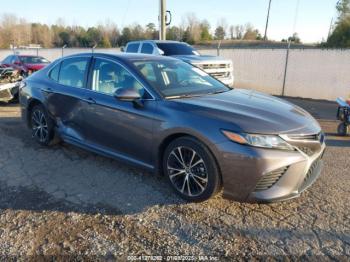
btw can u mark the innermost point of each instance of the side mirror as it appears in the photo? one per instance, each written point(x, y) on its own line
point(161, 52)
point(127, 94)
point(122, 49)
point(17, 63)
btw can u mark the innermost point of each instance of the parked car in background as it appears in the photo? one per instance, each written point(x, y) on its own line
point(9, 83)
point(25, 64)
point(220, 68)
point(170, 117)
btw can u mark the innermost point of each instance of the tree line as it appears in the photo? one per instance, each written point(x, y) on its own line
point(18, 32)
point(339, 36)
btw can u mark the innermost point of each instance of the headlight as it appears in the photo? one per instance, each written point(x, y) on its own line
point(22, 85)
point(264, 141)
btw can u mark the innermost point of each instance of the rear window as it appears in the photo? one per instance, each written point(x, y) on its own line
point(73, 71)
point(177, 49)
point(147, 48)
point(132, 48)
point(7, 60)
point(54, 72)
point(33, 60)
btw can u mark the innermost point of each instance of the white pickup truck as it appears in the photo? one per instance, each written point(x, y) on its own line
point(220, 68)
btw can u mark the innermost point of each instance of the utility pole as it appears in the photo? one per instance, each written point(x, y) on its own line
point(162, 19)
point(267, 20)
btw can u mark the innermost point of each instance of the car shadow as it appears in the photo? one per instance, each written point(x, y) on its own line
point(335, 140)
point(67, 179)
point(320, 109)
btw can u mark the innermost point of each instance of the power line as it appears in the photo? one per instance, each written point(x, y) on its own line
point(267, 20)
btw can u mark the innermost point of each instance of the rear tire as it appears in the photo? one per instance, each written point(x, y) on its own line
point(343, 129)
point(191, 169)
point(42, 126)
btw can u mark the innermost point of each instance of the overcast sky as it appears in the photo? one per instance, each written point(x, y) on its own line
point(312, 25)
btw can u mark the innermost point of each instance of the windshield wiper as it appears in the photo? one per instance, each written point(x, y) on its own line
point(184, 96)
point(217, 92)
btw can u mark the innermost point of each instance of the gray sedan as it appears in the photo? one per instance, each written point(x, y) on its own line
point(169, 117)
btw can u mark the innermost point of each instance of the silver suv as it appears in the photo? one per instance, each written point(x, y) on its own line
point(220, 68)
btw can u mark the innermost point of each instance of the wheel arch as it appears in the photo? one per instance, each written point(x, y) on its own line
point(33, 102)
point(170, 138)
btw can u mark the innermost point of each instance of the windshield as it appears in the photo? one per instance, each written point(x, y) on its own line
point(177, 49)
point(175, 79)
point(33, 60)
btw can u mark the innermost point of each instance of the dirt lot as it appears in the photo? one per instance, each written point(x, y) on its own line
point(66, 202)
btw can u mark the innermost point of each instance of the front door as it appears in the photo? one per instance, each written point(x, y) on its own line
point(119, 126)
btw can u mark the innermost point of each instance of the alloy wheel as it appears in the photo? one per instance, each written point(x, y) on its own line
point(187, 171)
point(39, 126)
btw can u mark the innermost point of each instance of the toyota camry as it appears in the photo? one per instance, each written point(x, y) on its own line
point(170, 117)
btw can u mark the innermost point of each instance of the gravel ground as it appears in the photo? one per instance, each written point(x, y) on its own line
point(72, 204)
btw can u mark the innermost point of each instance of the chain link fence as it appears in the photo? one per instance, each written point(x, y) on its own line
point(309, 73)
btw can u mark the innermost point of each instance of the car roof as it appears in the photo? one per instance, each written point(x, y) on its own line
point(125, 57)
point(158, 41)
point(28, 55)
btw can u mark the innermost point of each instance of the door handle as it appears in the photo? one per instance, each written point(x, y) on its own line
point(89, 100)
point(47, 90)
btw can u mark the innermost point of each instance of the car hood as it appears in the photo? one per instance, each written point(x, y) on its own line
point(253, 112)
point(35, 66)
point(200, 58)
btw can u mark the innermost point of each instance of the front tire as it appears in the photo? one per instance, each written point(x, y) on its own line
point(42, 126)
point(343, 129)
point(191, 169)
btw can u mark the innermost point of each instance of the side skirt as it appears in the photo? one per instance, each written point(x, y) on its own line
point(108, 153)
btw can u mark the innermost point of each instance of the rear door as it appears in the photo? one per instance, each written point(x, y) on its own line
point(133, 47)
point(117, 126)
point(147, 48)
point(67, 97)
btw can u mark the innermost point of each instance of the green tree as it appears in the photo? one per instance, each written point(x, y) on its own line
point(295, 38)
point(251, 33)
point(340, 37)
point(188, 37)
point(151, 31)
point(174, 33)
point(64, 36)
point(220, 33)
point(205, 34)
point(125, 37)
point(343, 8)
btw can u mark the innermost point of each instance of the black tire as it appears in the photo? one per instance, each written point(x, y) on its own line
point(42, 126)
point(189, 179)
point(343, 129)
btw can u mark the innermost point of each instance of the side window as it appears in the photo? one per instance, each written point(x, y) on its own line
point(147, 70)
point(147, 48)
point(72, 71)
point(108, 77)
point(132, 48)
point(54, 72)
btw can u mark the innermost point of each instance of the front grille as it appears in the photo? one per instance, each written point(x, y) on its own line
point(214, 66)
point(307, 143)
point(315, 137)
point(218, 75)
point(306, 150)
point(268, 180)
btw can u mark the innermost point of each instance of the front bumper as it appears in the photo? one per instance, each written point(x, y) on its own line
point(267, 175)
